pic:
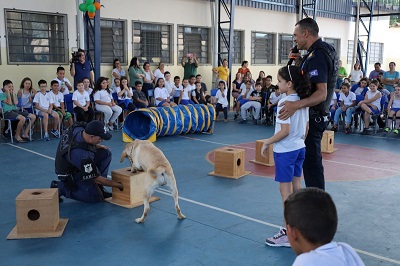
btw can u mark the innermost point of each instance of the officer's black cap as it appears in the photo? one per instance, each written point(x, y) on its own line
point(96, 128)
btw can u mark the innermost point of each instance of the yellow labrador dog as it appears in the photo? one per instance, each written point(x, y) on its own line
point(144, 156)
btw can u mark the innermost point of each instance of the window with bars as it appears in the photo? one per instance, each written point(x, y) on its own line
point(263, 48)
point(112, 39)
point(335, 43)
point(152, 42)
point(350, 46)
point(285, 44)
point(194, 40)
point(375, 52)
point(236, 50)
point(34, 37)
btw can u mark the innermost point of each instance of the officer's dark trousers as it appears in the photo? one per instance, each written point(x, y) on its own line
point(88, 190)
point(313, 169)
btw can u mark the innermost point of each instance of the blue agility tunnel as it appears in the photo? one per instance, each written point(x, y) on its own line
point(148, 123)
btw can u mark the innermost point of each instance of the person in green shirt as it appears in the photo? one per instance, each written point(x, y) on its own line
point(189, 67)
point(341, 75)
point(10, 111)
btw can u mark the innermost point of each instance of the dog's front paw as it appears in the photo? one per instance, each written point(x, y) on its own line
point(133, 170)
point(139, 220)
point(181, 216)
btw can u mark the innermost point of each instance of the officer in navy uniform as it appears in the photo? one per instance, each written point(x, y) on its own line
point(321, 63)
point(82, 163)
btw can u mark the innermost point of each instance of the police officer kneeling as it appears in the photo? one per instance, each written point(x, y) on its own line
point(82, 163)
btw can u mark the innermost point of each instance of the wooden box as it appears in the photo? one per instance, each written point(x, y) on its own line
point(38, 214)
point(229, 162)
point(259, 159)
point(327, 142)
point(134, 187)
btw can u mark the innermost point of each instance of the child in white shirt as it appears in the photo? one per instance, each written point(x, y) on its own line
point(58, 105)
point(64, 85)
point(222, 101)
point(44, 107)
point(161, 95)
point(82, 106)
point(186, 93)
point(371, 105)
point(288, 140)
point(347, 104)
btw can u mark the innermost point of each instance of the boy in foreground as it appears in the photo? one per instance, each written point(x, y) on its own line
point(311, 221)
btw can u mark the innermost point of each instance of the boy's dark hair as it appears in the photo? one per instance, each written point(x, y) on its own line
point(376, 82)
point(312, 212)
point(6, 82)
point(268, 77)
point(166, 72)
point(258, 84)
point(80, 81)
point(198, 75)
point(137, 82)
point(300, 80)
point(244, 62)
point(177, 77)
point(197, 82)
point(221, 82)
point(85, 78)
point(42, 81)
point(346, 85)
point(192, 76)
point(53, 82)
point(60, 68)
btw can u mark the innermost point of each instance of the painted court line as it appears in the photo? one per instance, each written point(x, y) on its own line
point(166, 192)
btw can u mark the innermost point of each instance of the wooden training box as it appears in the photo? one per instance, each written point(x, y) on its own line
point(229, 162)
point(327, 142)
point(132, 195)
point(38, 214)
point(259, 159)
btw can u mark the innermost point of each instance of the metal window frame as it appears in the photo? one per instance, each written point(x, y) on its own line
point(124, 42)
point(237, 48)
point(281, 60)
point(170, 37)
point(380, 56)
point(274, 40)
point(338, 40)
point(66, 44)
point(208, 43)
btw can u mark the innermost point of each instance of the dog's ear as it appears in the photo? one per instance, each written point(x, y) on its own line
point(123, 155)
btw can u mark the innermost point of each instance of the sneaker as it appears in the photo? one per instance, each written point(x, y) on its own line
point(46, 137)
point(365, 131)
point(278, 240)
point(110, 128)
point(334, 128)
point(55, 133)
point(236, 116)
point(396, 131)
point(347, 130)
point(386, 129)
point(244, 121)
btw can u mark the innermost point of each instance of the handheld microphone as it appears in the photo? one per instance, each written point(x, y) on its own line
point(294, 51)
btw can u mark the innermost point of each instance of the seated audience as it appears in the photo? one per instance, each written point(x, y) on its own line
point(185, 93)
point(198, 94)
point(139, 98)
point(222, 101)
point(347, 104)
point(393, 111)
point(26, 93)
point(64, 85)
point(161, 94)
point(371, 105)
point(255, 101)
point(81, 103)
point(177, 88)
point(58, 103)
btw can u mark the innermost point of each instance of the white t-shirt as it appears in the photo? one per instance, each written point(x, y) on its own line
point(331, 254)
point(103, 96)
point(157, 74)
point(347, 100)
point(169, 85)
point(61, 83)
point(160, 93)
point(377, 102)
point(359, 90)
point(220, 99)
point(298, 125)
point(355, 75)
point(192, 87)
point(89, 91)
point(124, 95)
point(185, 93)
point(57, 98)
point(334, 97)
point(273, 98)
point(44, 100)
point(81, 98)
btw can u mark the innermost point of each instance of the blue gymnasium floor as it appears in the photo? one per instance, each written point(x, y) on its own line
point(227, 220)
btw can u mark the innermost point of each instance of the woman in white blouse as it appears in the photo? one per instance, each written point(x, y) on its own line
point(160, 71)
point(104, 102)
point(117, 71)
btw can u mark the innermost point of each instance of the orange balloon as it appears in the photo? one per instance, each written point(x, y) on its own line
point(91, 14)
point(97, 5)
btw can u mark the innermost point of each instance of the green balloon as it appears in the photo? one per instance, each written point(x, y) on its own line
point(88, 2)
point(91, 8)
point(83, 7)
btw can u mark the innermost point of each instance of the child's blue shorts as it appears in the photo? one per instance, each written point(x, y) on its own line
point(289, 164)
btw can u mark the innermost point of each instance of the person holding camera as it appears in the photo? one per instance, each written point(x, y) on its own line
point(189, 67)
point(81, 68)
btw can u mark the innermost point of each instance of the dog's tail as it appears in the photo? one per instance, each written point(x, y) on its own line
point(160, 174)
